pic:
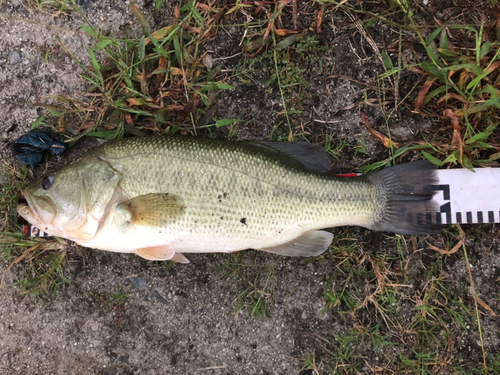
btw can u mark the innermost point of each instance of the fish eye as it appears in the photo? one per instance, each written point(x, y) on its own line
point(47, 182)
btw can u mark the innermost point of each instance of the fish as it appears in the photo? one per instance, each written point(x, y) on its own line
point(161, 197)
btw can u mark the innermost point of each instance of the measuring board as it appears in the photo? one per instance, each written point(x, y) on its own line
point(466, 197)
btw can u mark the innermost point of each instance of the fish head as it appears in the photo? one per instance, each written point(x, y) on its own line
point(71, 202)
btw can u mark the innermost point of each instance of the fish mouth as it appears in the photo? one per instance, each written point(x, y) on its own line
point(38, 210)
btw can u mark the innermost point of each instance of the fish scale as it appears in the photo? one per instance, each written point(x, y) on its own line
point(277, 203)
point(161, 196)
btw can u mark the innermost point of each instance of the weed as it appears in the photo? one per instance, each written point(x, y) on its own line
point(257, 282)
point(310, 364)
point(231, 267)
point(10, 191)
point(289, 65)
point(44, 259)
point(335, 147)
point(51, 6)
point(342, 350)
point(43, 274)
point(110, 300)
point(152, 83)
point(259, 294)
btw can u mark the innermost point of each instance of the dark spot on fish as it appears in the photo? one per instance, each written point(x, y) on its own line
point(225, 195)
point(219, 197)
point(222, 218)
point(166, 194)
point(243, 221)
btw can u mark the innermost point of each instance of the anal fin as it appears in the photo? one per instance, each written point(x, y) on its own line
point(179, 258)
point(310, 244)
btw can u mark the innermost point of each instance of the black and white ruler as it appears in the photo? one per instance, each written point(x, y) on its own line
point(466, 197)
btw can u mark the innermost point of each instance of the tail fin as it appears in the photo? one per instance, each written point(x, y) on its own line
point(406, 196)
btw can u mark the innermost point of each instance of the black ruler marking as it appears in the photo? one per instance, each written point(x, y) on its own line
point(446, 208)
point(480, 217)
point(491, 217)
point(444, 188)
point(469, 217)
point(459, 218)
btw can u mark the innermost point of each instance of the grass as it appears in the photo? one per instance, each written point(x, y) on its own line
point(421, 323)
point(110, 299)
point(15, 179)
point(151, 83)
point(257, 284)
point(42, 260)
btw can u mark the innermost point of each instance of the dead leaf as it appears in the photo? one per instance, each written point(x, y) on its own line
point(285, 32)
point(482, 303)
point(456, 140)
point(134, 101)
point(446, 252)
point(86, 125)
point(205, 7)
point(423, 93)
point(455, 248)
point(451, 95)
point(162, 63)
point(61, 126)
point(176, 71)
point(128, 118)
point(386, 141)
point(150, 126)
point(319, 20)
point(492, 67)
point(161, 33)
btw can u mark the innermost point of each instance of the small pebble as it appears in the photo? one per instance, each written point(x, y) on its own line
point(139, 282)
point(15, 57)
point(160, 298)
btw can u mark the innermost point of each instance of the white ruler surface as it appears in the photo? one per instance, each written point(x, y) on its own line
point(466, 197)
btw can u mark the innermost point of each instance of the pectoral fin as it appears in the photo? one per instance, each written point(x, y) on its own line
point(156, 253)
point(310, 244)
point(154, 209)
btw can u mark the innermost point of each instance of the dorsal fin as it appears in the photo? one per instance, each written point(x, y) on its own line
point(309, 155)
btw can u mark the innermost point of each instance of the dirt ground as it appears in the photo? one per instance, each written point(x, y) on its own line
point(184, 319)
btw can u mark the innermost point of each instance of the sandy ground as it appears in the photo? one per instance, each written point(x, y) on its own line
point(182, 319)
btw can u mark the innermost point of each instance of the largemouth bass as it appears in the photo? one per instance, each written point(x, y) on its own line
point(161, 197)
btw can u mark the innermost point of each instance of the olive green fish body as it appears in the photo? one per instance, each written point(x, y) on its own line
point(187, 194)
